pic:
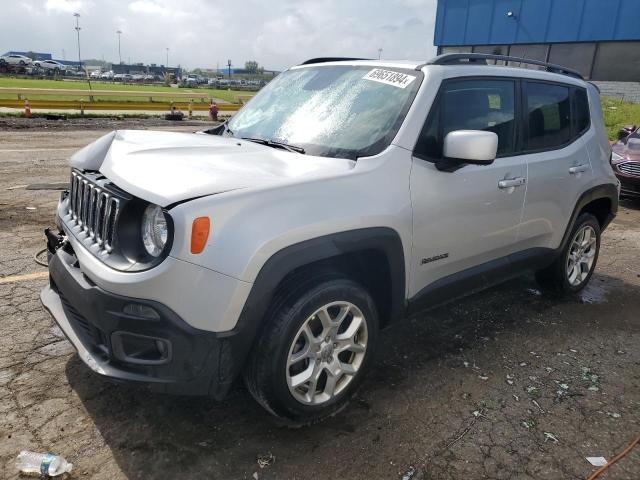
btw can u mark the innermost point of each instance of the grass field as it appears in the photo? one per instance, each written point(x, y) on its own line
point(227, 95)
point(617, 114)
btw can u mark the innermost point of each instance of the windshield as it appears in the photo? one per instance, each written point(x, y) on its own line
point(337, 111)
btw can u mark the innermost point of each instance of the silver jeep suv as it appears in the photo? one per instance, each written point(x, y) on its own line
point(347, 195)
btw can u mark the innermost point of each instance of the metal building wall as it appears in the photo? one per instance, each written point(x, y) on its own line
point(485, 22)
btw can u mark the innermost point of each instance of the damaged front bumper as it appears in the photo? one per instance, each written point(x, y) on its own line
point(132, 339)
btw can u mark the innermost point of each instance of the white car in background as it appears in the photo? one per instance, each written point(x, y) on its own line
point(15, 60)
point(107, 75)
point(51, 65)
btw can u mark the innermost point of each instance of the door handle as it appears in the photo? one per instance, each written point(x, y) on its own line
point(578, 169)
point(512, 182)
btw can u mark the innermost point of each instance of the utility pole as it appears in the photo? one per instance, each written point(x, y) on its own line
point(379, 53)
point(167, 57)
point(229, 65)
point(119, 32)
point(64, 55)
point(77, 15)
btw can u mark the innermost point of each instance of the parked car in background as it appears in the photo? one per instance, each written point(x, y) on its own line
point(107, 75)
point(123, 77)
point(15, 60)
point(96, 74)
point(192, 80)
point(137, 77)
point(625, 160)
point(50, 66)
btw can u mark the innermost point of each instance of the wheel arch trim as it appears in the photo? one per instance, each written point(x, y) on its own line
point(607, 191)
point(292, 257)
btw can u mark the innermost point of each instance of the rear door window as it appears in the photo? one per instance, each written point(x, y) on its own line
point(548, 116)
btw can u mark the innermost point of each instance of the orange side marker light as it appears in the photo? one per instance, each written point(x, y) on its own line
point(199, 234)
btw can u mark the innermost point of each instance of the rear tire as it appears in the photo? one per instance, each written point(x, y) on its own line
point(572, 270)
point(316, 346)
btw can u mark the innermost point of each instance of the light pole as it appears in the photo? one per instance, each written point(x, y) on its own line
point(229, 65)
point(119, 32)
point(167, 57)
point(379, 53)
point(77, 15)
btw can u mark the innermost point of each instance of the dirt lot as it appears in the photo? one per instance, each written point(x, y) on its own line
point(507, 384)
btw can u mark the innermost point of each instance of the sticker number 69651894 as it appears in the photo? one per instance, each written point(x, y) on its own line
point(389, 77)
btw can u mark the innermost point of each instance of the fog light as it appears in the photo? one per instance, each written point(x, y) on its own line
point(143, 311)
point(140, 349)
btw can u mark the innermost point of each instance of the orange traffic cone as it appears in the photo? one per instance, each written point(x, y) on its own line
point(27, 109)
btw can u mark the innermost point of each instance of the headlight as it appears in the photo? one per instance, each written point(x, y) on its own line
point(154, 230)
point(615, 158)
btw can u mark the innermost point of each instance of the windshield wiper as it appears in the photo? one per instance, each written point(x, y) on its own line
point(271, 143)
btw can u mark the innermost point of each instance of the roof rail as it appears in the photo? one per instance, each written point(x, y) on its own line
point(481, 59)
point(331, 59)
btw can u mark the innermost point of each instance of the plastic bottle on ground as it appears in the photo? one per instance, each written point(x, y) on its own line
point(42, 463)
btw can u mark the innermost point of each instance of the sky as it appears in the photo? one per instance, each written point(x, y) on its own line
point(205, 33)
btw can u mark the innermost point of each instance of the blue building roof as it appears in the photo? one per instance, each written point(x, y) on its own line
point(486, 22)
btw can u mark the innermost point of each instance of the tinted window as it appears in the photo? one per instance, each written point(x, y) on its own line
point(548, 111)
point(470, 105)
point(581, 110)
point(531, 52)
point(577, 56)
point(617, 61)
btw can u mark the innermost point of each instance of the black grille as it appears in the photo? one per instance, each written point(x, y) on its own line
point(94, 209)
point(630, 168)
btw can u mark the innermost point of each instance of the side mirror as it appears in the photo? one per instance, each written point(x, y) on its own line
point(471, 146)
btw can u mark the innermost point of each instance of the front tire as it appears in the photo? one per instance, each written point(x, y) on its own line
point(316, 346)
point(572, 270)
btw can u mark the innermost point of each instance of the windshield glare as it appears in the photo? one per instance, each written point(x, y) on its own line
point(330, 110)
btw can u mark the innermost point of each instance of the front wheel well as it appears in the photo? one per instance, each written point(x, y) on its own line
point(370, 268)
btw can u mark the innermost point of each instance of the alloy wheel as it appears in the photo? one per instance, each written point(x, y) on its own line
point(581, 255)
point(327, 352)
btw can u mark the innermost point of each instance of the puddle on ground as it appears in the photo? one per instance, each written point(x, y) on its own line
point(595, 292)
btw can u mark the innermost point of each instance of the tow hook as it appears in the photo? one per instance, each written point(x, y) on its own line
point(55, 241)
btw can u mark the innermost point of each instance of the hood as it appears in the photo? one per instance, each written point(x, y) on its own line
point(165, 167)
point(629, 148)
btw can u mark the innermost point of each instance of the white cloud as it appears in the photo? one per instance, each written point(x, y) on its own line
point(68, 6)
point(201, 33)
point(148, 6)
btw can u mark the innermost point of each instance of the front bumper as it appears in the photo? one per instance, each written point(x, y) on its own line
point(629, 184)
point(109, 341)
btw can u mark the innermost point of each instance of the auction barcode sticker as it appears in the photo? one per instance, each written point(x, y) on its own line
point(389, 77)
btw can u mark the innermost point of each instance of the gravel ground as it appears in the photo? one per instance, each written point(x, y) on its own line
point(508, 383)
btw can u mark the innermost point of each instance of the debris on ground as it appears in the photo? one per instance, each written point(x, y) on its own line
point(48, 186)
point(46, 464)
point(409, 474)
point(550, 436)
point(265, 460)
point(597, 461)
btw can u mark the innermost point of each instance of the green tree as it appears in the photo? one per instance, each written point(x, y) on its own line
point(251, 66)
